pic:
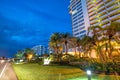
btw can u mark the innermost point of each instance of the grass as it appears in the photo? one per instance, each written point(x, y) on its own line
point(40, 72)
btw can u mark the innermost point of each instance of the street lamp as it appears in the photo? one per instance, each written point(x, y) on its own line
point(89, 74)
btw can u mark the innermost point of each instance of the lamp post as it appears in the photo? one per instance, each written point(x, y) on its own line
point(89, 74)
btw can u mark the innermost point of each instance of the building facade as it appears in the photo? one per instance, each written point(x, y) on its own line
point(39, 49)
point(79, 16)
point(86, 13)
point(103, 12)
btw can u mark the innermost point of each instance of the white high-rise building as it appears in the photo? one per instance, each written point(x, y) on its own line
point(103, 12)
point(79, 16)
point(39, 49)
point(86, 13)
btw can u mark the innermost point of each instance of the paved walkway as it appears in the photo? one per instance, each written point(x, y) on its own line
point(8, 72)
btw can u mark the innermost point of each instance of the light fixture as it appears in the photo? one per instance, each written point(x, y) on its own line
point(88, 72)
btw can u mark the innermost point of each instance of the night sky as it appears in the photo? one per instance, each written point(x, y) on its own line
point(26, 23)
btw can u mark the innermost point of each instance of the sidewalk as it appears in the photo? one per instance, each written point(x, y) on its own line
point(9, 73)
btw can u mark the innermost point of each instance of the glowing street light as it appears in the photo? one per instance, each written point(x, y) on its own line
point(89, 74)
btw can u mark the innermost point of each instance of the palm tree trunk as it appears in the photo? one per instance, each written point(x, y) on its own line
point(101, 56)
point(66, 50)
point(75, 51)
point(57, 53)
point(106, 51)
point(110, 46)
point(79, 52)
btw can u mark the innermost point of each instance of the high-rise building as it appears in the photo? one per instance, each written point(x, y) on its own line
point(79, 16)
point(103, 12)
point(39, 49)
point(87, 13)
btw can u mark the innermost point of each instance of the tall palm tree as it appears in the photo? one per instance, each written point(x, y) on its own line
point(73, 44)
point(112, 33)
point(78, 44)
point(65, 40)
point(55, 44)
point(86, 44)
point(96, 40)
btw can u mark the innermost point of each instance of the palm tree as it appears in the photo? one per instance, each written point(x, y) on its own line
point(96, 40)
point(86, 44)
point(78, 45)
point(65, 40)
point(112, 33)
point(75, 43)
point(19, 54)
point(55, 44)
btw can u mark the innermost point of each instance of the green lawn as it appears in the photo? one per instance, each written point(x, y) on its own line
point(40, 72)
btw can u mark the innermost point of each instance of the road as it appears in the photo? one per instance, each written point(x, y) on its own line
point(7, 72)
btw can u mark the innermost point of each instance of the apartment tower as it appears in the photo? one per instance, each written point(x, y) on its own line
point(86, 13)
point(103, 12)
point(79, 16)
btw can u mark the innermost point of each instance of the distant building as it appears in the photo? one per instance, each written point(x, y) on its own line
point(39, 49)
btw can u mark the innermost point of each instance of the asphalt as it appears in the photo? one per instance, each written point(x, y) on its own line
point(7, 72)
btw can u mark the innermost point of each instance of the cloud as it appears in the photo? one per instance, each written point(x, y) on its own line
point(26, 23)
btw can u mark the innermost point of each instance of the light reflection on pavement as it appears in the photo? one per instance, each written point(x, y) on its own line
point(7, 72)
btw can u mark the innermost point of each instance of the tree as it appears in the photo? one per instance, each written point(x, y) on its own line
point(19, 54)
point(29, 54)
point(87, 45)
point(75, 43)
point(96, 41)
point(55, 44)
point(65, 39)
point(79, 42)
point(111, 32)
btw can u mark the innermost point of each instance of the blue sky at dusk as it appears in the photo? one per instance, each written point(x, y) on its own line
point(26, 23)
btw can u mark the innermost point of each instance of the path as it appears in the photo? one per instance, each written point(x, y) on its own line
point(7, 72)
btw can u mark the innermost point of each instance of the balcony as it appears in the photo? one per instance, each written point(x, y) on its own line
point(93, 12)
point(102, 12)
point(110, 8)
point(104, 17)
point(114, 12)
point(116, 17)
point(91, 6)
point(106, 20)
point(93, 21)
point(107, 1)
point(101, 8)
point(108, 4)
point(100, 4)
point(92, 17)
point(88, 3)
